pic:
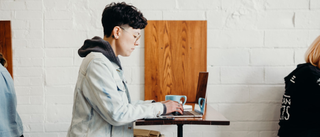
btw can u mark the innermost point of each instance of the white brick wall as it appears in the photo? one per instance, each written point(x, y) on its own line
point(252, 46)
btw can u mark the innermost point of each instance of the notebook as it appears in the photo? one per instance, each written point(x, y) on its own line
point(201, 93)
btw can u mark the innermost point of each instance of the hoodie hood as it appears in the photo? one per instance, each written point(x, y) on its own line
point(97, 44)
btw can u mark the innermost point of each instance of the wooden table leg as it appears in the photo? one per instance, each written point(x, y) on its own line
point(180, 130)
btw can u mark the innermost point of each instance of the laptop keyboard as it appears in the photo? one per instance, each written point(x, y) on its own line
point(186, 113)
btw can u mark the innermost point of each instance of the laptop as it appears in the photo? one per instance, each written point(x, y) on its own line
point(201, 93)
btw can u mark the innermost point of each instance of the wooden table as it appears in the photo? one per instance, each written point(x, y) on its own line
point(210, 117)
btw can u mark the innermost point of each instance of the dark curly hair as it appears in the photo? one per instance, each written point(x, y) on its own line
point(3, 61)
point(117, 14)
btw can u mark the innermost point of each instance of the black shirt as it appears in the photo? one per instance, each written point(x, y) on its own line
point(300, 109)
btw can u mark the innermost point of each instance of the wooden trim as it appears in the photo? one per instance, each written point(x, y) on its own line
point(6, 44)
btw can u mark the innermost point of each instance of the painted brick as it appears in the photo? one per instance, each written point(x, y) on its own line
point(228, 57)
point(35, 24)
point(34, 5)
point(235, 5)
point(58, 62)
point(136, 92)
point(242, 75)
point(37, 118)
point(28, 72)
point(307, 19)
point(313, 34)
point(214, 75)
point(141, 45)
point(36, 127)
point(28, 53)
point(30, 109)
point(57, 127)
point(6, 15)
point(283, 38)
point(27, 62)
point(58, 15)
point(266, 93)
point(249, 111)
point(299, 55)
point(152, 15)
point(275, 75)
point(24, 34)
point(262, 57)
point(36, 90)
point(276, 20)
point(29, 43)
point(229, 93)
point(59, 100)
point(19, 24)
point(28, 90)
point(25, 118)
point(269, 112)
point(23, 100)
point(201, 128)
point(287, 4)
point(41, 135)
point(268, 133)
point(153, 4)
point(28, 15)
point(52, 52)
point(63, 134)
point(81, 21)
point(58, 25)
point(36, 100)
point(59, 113)
point(99, 5)
point(58, 39)
point(57, 5)
point(22, 91)
point(200, 4)
point(184, 15)
point(24, 81)
point(12, 5)
point(266, 126)
point(314, 4)
point(62, 90)
point(136, 58)
point(235, 38)
point(216, 19)
point(66, 76)
point(137, 75)
point(77, 60)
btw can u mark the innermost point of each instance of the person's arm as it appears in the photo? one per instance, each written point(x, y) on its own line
point(108, 100)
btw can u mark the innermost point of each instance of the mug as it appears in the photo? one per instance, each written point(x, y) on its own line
point(201, 105)
point(176, 98)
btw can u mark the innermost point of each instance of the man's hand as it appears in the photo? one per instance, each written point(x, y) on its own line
point(173, 106)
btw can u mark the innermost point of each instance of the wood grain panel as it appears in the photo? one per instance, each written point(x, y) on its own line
point(175, 53)
point(5, 44)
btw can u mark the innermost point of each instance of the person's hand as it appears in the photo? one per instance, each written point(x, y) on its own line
point(173, 106)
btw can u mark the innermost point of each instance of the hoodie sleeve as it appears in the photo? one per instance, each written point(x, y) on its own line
point(107, 99)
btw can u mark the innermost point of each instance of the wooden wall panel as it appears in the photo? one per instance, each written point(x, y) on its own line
point(5, 44)
point(175, 53)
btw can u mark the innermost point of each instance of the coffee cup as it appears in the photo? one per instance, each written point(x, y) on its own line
point(176, 98)
point(201, 102)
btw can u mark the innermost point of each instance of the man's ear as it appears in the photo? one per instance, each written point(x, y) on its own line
point(116, 32)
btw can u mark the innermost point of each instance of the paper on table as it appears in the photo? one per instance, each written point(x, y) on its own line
point(187, 107)
point(196, 107)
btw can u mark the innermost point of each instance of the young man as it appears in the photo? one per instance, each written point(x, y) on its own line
point(102, 104)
